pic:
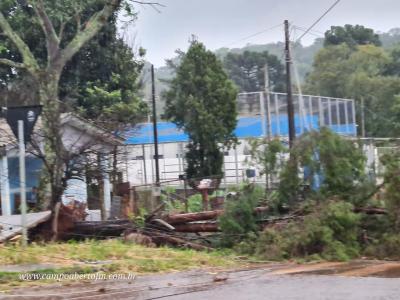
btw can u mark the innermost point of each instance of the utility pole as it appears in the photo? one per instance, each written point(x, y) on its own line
point(362, 117)
point(22, 181)
point(268, 99)
point(290, 107)
point(155, 132)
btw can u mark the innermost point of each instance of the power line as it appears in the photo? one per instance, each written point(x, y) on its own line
point(253, 35)
point(311, 32)
point(319, 19)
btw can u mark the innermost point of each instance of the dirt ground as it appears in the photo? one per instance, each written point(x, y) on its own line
point(329, 281)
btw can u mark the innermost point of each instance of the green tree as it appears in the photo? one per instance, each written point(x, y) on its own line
point(202, 101)
point(67, 26)
point(101, 80)
point(365, 73)
point(352, 35)
point(264, 154)
point(334, 164)
point(247, 70)
point(330, 71)
point(391, 161)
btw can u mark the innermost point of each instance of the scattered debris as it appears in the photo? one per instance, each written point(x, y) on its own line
point(139, 238)
point(220, 278)
point(12, 226)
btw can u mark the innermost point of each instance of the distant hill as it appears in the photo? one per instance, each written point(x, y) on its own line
point(303, 56)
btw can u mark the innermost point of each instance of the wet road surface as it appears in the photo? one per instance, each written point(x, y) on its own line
point(361, 280)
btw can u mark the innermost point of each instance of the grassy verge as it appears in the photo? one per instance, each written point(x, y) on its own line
point(109, 256)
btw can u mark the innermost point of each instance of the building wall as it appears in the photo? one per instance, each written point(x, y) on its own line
point(172, 163)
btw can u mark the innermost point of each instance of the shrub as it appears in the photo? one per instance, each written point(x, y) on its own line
point(333, 166)
point(330, 232)
point(385, 248)
point(195, 203)
point(391, 161)
point(238, 219)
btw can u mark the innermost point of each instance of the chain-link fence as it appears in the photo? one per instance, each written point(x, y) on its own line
point(311, 113)
point(261, 114)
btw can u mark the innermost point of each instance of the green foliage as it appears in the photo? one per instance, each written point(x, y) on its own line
point(365, 72)
point(101, 80)
point(171, 205)
point(264, 155)
point(289, 185)
point(391, 162)
point(327, 157)
point(195, 203)
point(239, 220)
point(247, 70)
point(339, 161)
point(140, 218)
point(330, 232)
point(387, 246)
point(202, 101)
point(351, 35)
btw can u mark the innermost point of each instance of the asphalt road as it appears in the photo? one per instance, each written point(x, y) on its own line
point(272, 282)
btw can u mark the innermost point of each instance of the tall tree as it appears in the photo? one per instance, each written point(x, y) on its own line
point(367, 73)
point(247, 70)
point(101, 81)
point(352, 35)
point(45, 66)
point(202, 101)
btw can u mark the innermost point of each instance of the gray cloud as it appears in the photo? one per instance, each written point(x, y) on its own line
point(219, 23)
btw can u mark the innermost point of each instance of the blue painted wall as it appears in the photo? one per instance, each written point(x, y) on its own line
point(247, 127)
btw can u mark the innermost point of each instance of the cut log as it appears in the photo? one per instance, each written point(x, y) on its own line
point(192, 217)
point(197, 227)
point(110, 228)
point(200, 216)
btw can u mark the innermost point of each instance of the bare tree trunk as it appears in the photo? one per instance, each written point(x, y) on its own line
point(54, 226)
point(53, 145)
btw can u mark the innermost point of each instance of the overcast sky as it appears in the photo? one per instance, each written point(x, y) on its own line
point(224, 23)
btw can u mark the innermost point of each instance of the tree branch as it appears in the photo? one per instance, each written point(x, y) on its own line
point(52, 40)
point(93, 26)
point(12, 64)
point(29, 60)
point(61, 32)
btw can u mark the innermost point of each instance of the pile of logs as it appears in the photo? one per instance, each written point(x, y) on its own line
point(159, 229)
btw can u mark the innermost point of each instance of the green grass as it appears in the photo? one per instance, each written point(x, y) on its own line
point(110, 256)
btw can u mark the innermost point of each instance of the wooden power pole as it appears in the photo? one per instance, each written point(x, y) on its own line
point(153, 91)
point(290, 107)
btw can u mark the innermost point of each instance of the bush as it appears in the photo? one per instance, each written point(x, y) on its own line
point(330, 232)
point(195, 203)
point(333, 166)
point(238, 219)
point(385, 248)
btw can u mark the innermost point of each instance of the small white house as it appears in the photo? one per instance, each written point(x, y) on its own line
point(77, 134)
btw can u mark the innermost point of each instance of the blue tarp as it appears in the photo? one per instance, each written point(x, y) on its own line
point(247, 127)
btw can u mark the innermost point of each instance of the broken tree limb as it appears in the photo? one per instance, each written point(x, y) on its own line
point(371, 210)
point(163, 223)
point(163, 238)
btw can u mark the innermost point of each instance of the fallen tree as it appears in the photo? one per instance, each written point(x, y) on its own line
point(201, 216)
point(197, 227)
